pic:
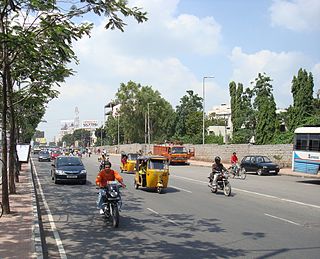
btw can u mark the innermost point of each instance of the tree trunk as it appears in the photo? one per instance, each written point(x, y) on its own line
point(5, 193)
point(12, 186)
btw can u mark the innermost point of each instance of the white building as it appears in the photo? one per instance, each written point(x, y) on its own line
point(222, 111)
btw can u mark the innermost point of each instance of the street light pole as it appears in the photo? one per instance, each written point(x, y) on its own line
point(149, 121)
point(203, 104)
point(118, 130)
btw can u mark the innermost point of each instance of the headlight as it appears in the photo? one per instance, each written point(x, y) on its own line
point(114, 194)
point(60, 172)
point(83, 172)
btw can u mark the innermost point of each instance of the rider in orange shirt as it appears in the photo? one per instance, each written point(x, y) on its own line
point(105, 175)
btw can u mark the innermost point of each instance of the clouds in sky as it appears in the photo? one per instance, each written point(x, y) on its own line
point(296, 15)
point(172, 52)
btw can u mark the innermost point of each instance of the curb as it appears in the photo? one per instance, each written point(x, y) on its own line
point(36, 230)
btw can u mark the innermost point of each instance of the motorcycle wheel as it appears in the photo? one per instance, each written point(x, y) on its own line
point(243, 174)
point(227, 189)
point(115, 216)
point(159, 190)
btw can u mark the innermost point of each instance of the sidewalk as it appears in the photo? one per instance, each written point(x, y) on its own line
point(19, 230)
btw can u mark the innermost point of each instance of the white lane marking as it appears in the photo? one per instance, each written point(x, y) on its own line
point(181, 189)
point(286, 220)
point(162, 216)
point(256, 193)
point(56, 235)
point(301, 203)
point(153, 211)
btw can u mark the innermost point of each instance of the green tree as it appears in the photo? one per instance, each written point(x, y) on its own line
point(68, 139)
point(82, 136)
point(242, 114)
point(36, 46)
point(134, 100)
point(189, 118)
point(264, 103)
point(302, 110)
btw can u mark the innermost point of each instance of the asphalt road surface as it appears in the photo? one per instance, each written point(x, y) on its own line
point(265, 217)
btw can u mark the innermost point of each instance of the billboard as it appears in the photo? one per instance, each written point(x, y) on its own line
point(90, 124)
point(67, 124)
point(41, 140)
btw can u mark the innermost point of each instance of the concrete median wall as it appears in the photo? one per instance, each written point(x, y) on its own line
point(281, 154)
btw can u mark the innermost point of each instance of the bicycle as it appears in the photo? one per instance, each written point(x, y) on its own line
point(237, 172)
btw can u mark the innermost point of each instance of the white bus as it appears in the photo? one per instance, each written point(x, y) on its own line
point(306, 150)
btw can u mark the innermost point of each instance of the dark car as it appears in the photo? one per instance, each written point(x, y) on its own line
point(44, 156)
point(259, 164)
point(68, 168)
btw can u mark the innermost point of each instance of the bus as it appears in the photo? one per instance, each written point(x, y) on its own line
point(306, 150)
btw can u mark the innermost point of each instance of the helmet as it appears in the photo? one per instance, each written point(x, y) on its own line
point(217, 160)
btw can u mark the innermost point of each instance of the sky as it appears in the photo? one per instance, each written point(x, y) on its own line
point(186, 40)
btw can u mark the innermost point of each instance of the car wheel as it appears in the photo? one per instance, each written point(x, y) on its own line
point(259, 172)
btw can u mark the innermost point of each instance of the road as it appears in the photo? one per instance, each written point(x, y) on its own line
point(265, 217)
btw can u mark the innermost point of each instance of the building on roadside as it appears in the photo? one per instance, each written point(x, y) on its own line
point(222, 112)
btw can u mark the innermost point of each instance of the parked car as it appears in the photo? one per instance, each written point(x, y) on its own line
point(68, 168)
point(259, 164)
point(44, 156)
point(55, 154)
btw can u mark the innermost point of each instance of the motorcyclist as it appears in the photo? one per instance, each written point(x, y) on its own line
point(217, 169)
point(105, 175)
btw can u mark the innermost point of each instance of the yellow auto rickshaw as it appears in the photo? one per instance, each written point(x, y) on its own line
point(152, 172)
point(128, 162)
point(123, 162)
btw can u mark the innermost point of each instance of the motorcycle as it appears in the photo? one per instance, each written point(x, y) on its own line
point(222, 184)
point(236, 171)
point(112, 202)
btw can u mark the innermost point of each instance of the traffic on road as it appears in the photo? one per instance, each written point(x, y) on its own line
point(274, 216)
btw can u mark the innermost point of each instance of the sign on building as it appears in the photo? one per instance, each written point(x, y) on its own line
point(90, 124)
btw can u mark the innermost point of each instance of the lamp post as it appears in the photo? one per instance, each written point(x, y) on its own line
point(203, 104)
point(149, 121)
point(118, 115)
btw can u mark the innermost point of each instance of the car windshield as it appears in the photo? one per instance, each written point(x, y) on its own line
point(157, 164)
point(43, 153)
point(69, 161)
point(132, 156)
point(178, 150)
point(266, 159)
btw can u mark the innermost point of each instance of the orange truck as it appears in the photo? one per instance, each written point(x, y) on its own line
point(176, 154)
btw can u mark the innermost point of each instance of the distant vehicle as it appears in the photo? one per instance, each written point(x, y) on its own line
point(259, 164)
point(176, 154)
point(55, 154)
point(36, 149)
point(44, 156)
point(68, 168)
point(306, 150)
